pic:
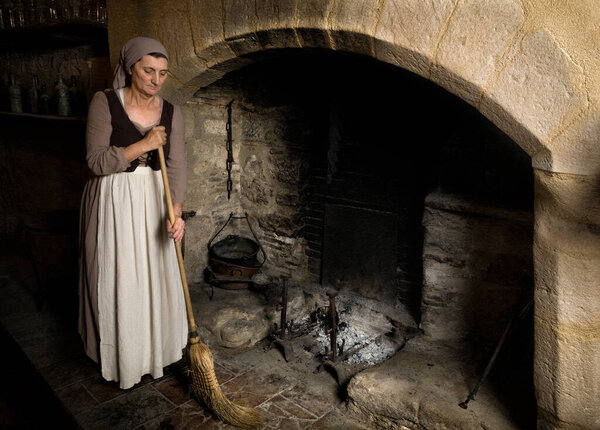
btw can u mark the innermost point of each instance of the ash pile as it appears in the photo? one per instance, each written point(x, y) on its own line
point(366, 332)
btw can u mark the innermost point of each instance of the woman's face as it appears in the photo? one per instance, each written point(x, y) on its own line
point(148, 74)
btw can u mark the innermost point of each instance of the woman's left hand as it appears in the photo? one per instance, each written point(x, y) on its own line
point(177, 230)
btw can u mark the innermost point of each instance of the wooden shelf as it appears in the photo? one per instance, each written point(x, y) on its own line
point(56, 35)
point(41, 116)
point(51, 135)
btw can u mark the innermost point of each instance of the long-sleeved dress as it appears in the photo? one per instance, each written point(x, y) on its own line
point(131, 308)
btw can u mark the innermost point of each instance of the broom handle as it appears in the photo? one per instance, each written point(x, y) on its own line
point(186, 292)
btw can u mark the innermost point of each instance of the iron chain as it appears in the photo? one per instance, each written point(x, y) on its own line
point(229, 142)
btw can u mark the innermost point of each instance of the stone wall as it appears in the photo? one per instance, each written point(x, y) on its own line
point(477, 265)
point(567, 309)
point(269, 173)
point(301, 148)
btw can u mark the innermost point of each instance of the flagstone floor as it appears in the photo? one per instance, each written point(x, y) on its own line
point(51, 383)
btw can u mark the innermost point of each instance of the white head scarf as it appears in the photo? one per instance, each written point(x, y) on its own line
point(131, 53)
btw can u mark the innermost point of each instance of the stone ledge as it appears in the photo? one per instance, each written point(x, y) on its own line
point(421, 387)
point(470, 205)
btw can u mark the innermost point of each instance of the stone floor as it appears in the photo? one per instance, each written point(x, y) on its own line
point(54, 384)
point(49, 382)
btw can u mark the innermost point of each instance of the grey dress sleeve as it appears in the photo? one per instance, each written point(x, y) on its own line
point(102, 159)
point(176, 161)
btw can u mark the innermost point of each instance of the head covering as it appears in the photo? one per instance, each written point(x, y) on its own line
point(131, 53)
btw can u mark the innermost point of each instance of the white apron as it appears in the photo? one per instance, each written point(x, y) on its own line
point(141, 310)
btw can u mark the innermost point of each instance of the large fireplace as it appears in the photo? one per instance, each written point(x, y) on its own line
point(432, 223)
point(406, 201)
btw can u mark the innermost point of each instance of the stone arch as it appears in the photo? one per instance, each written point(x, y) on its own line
point(518, 78)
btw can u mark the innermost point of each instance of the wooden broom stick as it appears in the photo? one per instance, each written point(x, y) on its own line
point(204, 384)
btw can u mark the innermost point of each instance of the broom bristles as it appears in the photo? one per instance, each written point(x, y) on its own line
point(205, 387)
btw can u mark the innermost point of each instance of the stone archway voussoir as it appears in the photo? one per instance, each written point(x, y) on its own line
point(541, 90)
point(468, 54)
point(176, 92)
point(276, 23)
point(352, 25)
point(576, 150)
point(407, 32)
point(402, 57)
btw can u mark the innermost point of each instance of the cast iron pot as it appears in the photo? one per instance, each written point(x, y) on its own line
point(235, 258)
point(236, 250)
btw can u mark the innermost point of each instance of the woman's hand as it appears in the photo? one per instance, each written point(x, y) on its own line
point(156, 137)
point(177, 230)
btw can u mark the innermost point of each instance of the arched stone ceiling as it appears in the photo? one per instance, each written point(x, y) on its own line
point(520, 63)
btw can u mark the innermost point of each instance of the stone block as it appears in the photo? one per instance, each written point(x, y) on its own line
point(407, 33)
point(239, 27)
point(275, 14)
point(476, 259)
point(451, 235)
point(420, 387)
point(199, 230)
point(352, 25)
point(175, 92)
point(288, 171)
point(214, 127)
point(567, 309)
point(179, 44)
point(457, 225)
point(276, 24)
point(437, 326)
point(206, 20)
point(438, 275)
point(189, 122)
point(257, 193)
point(567, 213)
point(254, 167)
point(312, 23)
point(314, 38)
point(292, 200)
point(122, 26)
point(565, 378)
point(285, 230)
point(193, 74)
point(537, 93)
point(277, 38)
point(576, 149)
point(477, 36)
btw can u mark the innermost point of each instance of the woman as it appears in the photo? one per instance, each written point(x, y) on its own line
point(131, 308)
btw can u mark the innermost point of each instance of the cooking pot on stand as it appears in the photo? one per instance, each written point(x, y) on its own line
point(234, 260)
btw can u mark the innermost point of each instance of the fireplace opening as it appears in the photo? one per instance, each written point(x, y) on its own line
point(367, 180)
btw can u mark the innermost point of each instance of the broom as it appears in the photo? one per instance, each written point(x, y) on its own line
point(204, 384)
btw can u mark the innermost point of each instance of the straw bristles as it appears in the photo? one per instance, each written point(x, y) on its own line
point(205, 387)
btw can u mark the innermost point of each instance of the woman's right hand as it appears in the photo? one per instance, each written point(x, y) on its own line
point(156, 137)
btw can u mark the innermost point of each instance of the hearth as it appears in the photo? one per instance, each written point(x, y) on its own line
point(412, 220)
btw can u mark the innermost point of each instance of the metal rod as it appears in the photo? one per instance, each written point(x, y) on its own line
point(473, 393)
point(284, 300)
point(490, 363)
point(333, 335)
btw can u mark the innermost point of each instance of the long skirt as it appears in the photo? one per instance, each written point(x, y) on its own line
point(141, 310)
